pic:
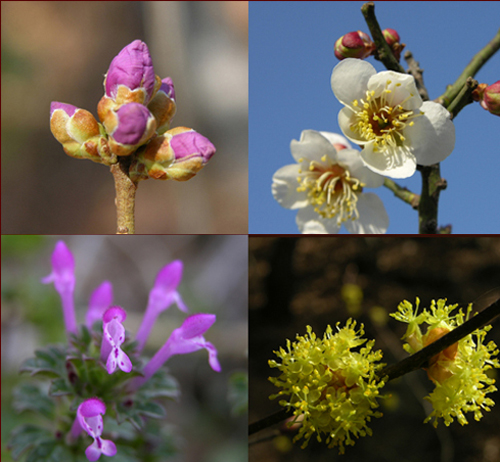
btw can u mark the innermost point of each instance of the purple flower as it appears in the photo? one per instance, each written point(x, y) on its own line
point(162, 295)
point(183, 340)
point(133, 120)
point(132, 68)
point(112, 338)
point(191, 143)
point(100, 301)
point(69, 109)
point(163, 106)
point(88, 418)
point(63, 277)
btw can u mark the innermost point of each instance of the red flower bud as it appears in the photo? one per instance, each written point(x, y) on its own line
point(354, 45)
point(393, 40)
point(489, 97)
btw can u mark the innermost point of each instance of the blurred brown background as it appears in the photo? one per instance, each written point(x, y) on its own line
point(60, 51)
point(302, 281)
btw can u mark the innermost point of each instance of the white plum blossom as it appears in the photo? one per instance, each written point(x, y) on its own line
point(326, 185)
point(385, 115)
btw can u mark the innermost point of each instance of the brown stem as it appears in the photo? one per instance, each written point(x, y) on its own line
point(125, 197)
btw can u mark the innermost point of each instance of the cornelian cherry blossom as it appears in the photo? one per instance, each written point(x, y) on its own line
point(326, 185)
point(385, 115)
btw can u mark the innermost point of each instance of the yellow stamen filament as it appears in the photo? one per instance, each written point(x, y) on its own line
point(331, 190)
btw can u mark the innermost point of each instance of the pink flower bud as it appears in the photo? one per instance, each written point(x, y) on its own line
point(393, 40)
point(78, 131)
point(489, 96)
point(131, 77)
point(179, 154)
point(129, 127)
point(163, 106)
point(354, 45)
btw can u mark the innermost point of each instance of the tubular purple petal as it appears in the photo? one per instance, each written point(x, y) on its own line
point(162, 295)
point(190, 143)
point(63, 277)
point(133, 68)
point(100, 301)
point(112, 339)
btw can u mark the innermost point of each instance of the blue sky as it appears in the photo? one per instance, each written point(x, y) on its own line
point(291, 60)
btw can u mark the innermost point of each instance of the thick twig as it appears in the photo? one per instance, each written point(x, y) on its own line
point(409, 364)
point(125, 197)
point(470, 71)
point(415, 70)
point(432, 185)
point(384, 52)
point(402, 193)
point(463, 98)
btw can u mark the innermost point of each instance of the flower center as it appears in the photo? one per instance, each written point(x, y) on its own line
point(380, 119)
point(330, 189)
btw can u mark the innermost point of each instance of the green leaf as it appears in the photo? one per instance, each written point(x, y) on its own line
point(151, 409)
point(26, 437)
point(60, 387)
point(238, 393)
point(50, 362)
point(160, 385)
point(31, 397)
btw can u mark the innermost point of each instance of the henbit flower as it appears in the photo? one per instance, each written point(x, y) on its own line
point(63, 277)
point(185, 339)
point(459, 371)
point(78, 131)
point(179, 154)
point(326, 185)
point(112, 337)
point(354, 45)
point(100, 300)
point(161, 296)
point(163, 105)
point(89, 418)
point(129, 127)
point(131, 76)
point(330, 385)
point(386, 116)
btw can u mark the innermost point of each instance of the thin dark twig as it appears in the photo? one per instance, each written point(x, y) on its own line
point(416, 71)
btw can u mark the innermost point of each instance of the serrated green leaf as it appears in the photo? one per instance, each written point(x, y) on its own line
point(48, 361)
point(160, 385)
point(25, 437)
point(60, 387)
point(30, 397)
point(151, 409)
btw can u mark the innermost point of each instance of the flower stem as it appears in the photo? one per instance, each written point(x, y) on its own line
point(470, 71)
point(384, 52)
point(432, 184)
point(125, 196)
point(402, 193)
point(463, 98)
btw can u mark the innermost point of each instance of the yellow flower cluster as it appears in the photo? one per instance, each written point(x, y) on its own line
point(458, 371)
point(331, 388)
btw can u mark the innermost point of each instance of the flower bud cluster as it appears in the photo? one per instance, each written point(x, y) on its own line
point(136, 109)
point(330, 385)
point(459, 371)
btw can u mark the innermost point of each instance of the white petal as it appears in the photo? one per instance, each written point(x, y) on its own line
point(335, 138)
point(350, 79)
point(373, 218)
point(402, 88)
point(433, 135)
point(345, 120)
point(309, 222)
point(398, 162)
point(352, 159)
point(284, 188)
point(312, 146)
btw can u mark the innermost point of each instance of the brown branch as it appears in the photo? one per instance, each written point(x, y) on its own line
point(415, 70)
point(125, 197)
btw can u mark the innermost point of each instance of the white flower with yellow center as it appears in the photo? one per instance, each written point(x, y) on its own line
point(326, 185)
point(385, 115)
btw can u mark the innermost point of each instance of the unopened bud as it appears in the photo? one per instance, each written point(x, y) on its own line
point(489, 97)
point(129, 127)
point(179, 155)
point(354, 45)
point(393, 40)
point(79, 133)
point(163, 106)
